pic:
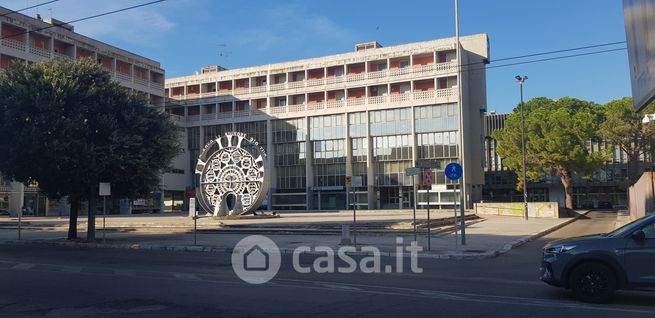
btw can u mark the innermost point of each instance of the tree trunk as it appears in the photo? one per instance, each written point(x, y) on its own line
point(91, 226)
point(633, 169)
point(565, 176)
point(72, 220)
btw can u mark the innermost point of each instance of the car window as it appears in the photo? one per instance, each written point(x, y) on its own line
point(649, 230)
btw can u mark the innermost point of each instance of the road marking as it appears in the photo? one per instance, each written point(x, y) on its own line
point(338, 286)
point(186, 276)
point(23, 266)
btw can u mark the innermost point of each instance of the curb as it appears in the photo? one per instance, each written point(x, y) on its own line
point(209, 249)
point(533, 237)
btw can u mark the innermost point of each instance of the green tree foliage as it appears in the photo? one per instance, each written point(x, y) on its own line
point(68, 126)
point(556, 132)
point(624, 128)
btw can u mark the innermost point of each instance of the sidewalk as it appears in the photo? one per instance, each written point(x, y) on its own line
point(489, 237)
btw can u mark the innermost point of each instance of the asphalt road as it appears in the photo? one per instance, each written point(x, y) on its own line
point(40, 281)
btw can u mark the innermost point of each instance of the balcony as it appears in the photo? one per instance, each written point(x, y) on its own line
point(258, 89)
point(210, 116)
point(39, 51)
point(406, 99)
point(356, 101)
point(335, 104)
point(278, 86)
point(124, 76)
point(394, 74)
point(14, 44)
point(315, 106)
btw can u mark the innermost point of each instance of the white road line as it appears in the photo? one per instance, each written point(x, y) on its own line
point(23, 266)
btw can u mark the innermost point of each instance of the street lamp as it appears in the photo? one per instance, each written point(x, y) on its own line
point(521, 80)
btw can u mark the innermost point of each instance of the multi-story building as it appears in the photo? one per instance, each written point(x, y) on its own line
point(27, 39)
point(369, 113)
point(603, 188)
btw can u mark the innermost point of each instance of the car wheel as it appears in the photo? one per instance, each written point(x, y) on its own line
point(593, 282)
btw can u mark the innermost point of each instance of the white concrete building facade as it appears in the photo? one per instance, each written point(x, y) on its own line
point(369, 113)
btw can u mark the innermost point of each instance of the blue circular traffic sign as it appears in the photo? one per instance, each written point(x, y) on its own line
point(453, 171)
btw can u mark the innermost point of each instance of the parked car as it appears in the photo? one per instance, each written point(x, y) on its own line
point(595, 266)
point(604, 205)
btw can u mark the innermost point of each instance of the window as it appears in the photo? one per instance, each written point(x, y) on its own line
point(649, 230)
point(404, 64)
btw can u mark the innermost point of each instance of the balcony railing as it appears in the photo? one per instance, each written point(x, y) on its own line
point(315, 82)
point(40, 51)
point(315, 106)
point(207, 94)
point(124, 76)
point(210, 116)
point(157, 86)
point(141, 81)
point(389, 74)
point(373, 100)
point(356, 101)
point(377, 99)
point(221, 115)
point(258, 89)
point(278, 86)
point(296, 84)
point(296, 108)
point(16, 45)
point(63, 56)
point(334, 104)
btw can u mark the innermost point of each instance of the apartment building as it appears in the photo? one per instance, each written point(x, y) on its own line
point(28, 39)
point(370, 113)
point(607, 186)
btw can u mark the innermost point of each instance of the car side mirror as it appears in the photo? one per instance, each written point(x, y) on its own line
point(639, 235)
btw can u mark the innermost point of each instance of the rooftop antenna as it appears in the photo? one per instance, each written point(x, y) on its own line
point(50, 9)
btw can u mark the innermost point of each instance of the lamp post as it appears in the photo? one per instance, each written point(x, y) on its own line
point(521, 80)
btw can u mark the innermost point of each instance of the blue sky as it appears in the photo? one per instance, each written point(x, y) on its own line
point(185, 35)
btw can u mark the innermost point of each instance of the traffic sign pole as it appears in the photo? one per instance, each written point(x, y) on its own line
point(454, 171)
point(414, 187)
point(455, 214)
point(429, 217)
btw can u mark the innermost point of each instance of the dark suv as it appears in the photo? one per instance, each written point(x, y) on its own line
point(595, 266)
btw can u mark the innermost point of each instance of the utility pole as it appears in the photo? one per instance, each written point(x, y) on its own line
point(521, 80)
point(462, 188)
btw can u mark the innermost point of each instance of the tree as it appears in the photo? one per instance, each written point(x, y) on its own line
point(68, 126)
point(556, 133)
point(624, 128)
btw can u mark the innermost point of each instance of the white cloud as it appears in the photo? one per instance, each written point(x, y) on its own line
point(288, 25)
point(138, 26)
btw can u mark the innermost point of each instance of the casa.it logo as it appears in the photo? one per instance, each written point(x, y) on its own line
point(256, 259)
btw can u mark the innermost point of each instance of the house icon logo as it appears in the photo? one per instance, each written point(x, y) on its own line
point(256, 259)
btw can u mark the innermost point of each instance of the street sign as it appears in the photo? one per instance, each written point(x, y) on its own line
point(413, 171)
point(426, 164)
point(104, 189)
point(453, 171)
point(428, 177)
point(349, 181)
point(357, 181)
point(192, 207)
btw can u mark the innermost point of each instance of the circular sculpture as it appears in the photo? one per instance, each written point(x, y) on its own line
point(233, 178)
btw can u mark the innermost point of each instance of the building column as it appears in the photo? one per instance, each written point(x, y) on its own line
point(309, 168)
point(370, 164)
point(270, 163)
point(349, 155)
